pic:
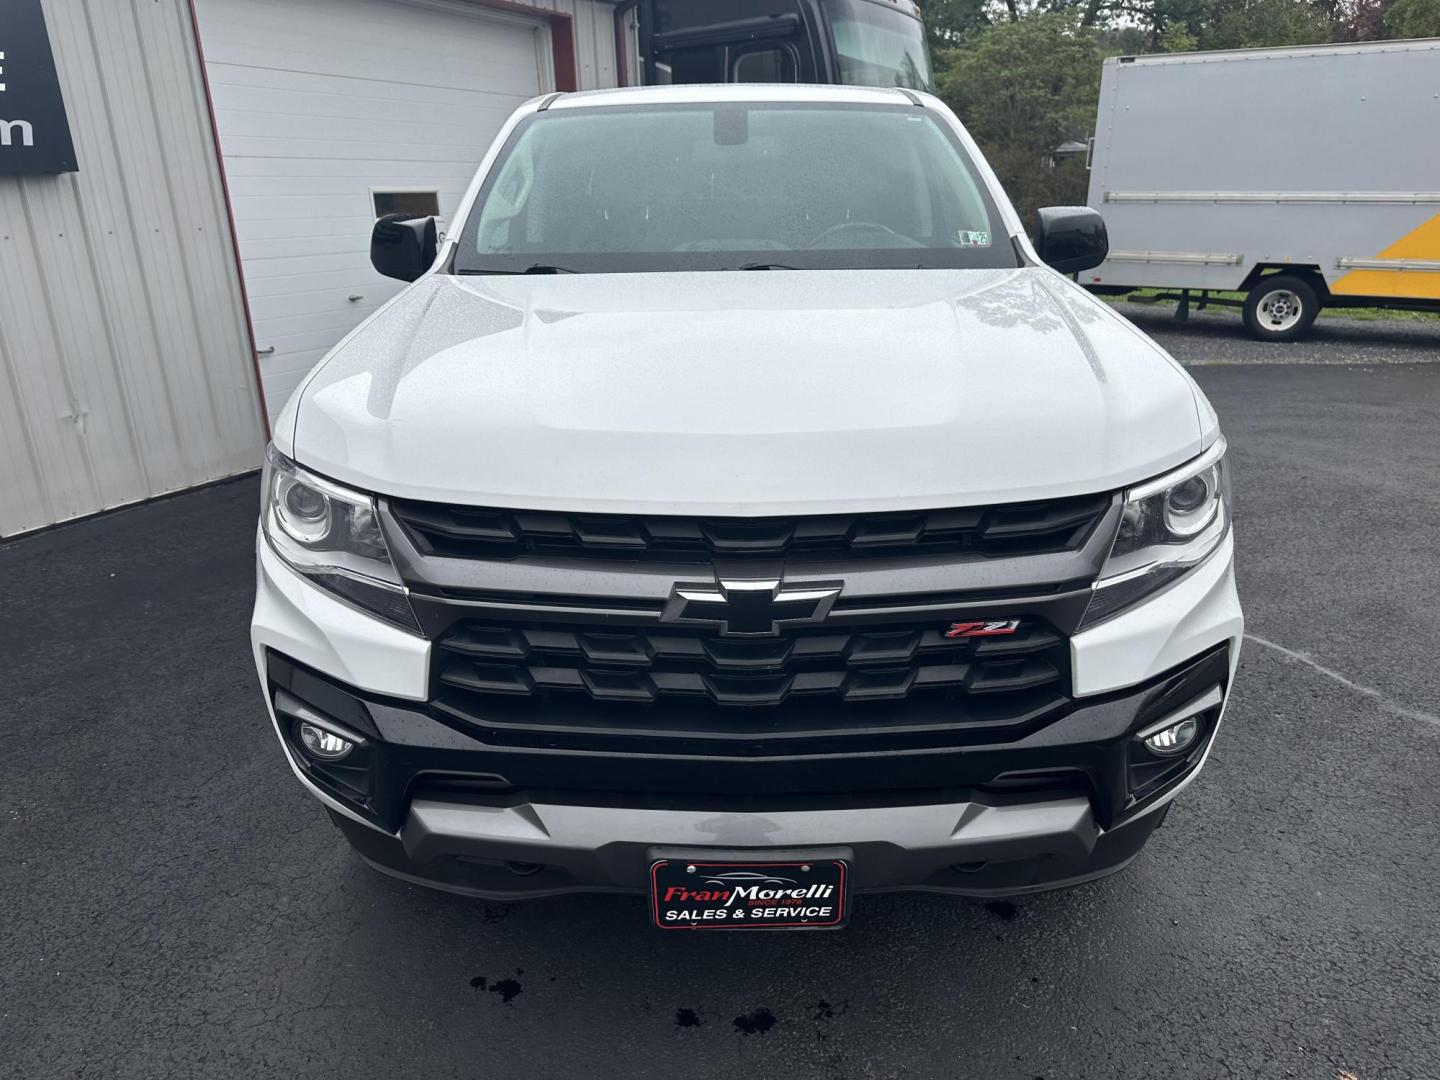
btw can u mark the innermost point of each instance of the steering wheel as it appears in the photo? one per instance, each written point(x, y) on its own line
point(872, 227)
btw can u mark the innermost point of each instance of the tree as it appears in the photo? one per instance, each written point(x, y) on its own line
point(1413, 19)
point(1023, 88)
point(1168, 25)
point(1358, 20)
point(1263, 23)
point(948, 21)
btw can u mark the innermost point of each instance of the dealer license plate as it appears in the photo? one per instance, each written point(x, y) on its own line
point(688, 895)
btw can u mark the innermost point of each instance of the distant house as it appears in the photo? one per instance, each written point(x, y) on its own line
point(1066, 150)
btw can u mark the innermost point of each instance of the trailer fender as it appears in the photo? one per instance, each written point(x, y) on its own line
point(1309, 271)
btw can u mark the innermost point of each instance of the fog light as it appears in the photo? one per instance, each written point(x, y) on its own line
point(324, 745)
point(1175, 738)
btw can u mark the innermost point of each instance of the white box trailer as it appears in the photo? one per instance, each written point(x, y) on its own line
point(1304, 177)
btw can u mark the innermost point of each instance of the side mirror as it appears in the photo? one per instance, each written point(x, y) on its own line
point(403, 247)
point(1071, 238)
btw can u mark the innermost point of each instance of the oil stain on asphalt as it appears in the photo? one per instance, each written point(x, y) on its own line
point(1003, 910)
point(755, 1023)
point(508, 989)
point(761, 1020)
point(825, 1011)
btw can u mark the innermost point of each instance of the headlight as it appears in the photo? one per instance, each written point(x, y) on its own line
point(1170, 526)
point(331, 535)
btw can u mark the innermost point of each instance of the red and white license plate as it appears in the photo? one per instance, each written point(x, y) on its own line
point(692, 895)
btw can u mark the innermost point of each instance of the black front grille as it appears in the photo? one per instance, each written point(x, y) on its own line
point(809, 690)
point(644, 666)
point(1016, 529)
point(571, 644)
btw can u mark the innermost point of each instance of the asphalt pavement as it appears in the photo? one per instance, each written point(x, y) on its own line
point(172, 904)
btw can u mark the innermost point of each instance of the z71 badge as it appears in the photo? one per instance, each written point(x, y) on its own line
point(983, 628)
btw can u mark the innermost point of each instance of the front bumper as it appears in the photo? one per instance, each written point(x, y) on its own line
point(436, 806)
point(532, 850)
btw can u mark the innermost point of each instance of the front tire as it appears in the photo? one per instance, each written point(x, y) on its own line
point(1281, 307)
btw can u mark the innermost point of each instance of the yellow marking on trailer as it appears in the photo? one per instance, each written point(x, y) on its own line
point(1423, 243)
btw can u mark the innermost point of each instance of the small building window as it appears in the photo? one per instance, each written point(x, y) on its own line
point(409, 203)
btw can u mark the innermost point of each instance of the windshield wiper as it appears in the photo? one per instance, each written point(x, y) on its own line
point(536, 268)
point(765, 266)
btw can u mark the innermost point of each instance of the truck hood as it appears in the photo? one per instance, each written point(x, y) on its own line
point(780, 392)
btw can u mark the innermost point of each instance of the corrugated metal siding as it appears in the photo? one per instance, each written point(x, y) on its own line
point(125, 368)
point(630, 35)
point(594, 42)
point(594, 38)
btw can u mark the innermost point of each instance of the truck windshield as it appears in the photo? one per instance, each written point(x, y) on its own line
point(731, 186)
point(877, 44)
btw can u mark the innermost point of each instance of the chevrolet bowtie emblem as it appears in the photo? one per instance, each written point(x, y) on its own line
point(750, 607)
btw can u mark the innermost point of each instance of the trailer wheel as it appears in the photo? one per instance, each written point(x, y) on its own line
point(1281, 308)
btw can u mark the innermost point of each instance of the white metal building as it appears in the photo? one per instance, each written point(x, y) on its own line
point(157, 303)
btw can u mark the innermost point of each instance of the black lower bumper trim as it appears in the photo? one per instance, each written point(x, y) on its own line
point(413, 751)
point(515, 877)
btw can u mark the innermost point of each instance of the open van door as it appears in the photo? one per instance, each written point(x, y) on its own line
point(857, 42)
point(702, 41)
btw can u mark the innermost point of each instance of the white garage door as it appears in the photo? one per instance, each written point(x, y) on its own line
point(328, 108)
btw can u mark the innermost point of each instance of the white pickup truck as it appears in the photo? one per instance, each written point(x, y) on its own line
point(738, 510)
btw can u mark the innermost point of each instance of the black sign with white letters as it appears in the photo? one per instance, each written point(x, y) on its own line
point(34, 133)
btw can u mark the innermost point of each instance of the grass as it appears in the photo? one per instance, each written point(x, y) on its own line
point(1364, 314)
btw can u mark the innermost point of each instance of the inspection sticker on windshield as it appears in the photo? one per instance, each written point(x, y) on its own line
point(973, 238)
point(749, 896)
